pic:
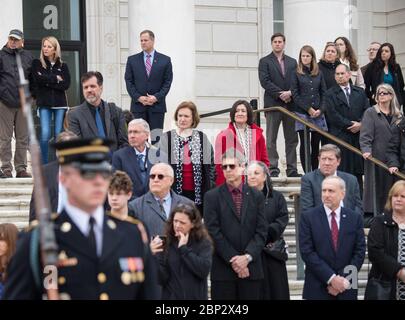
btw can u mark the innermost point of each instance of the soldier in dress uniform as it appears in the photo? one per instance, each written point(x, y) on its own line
point(99, 255)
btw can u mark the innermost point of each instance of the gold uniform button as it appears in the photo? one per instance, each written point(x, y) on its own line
point(102, 278)
point(61, 280)
point(104, 296)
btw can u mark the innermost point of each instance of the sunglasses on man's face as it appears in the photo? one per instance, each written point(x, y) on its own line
point(91, 174)
point(159, 176)
point(230, 166)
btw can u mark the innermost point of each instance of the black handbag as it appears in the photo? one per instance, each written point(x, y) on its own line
point(277, 250)
point(377, 289)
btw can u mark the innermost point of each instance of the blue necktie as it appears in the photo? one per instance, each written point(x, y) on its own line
point(142, 168)
point(99, 124)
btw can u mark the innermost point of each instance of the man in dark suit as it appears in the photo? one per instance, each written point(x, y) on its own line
point(100, 257)
point(345, 105)
point(234, 216)
point(275, 73)
point(148, 77)
point(155, 206)
point(57, 193)
point(311, 183)
point(95, 117)
point(137, 159)
point(332, 245)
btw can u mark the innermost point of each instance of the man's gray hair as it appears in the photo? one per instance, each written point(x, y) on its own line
point(347, 68)
point(339, 180)
point(168, 167)
point(142, 122)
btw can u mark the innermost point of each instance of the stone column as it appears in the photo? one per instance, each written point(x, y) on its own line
point(314, 23)
point(10, 20)
point(172, 22)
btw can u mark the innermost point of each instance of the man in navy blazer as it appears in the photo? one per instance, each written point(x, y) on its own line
point(329, 160)
point(137, 159)
point(332, 245)
point(148, 77)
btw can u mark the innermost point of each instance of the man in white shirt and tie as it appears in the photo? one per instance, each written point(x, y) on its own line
point(332, 245)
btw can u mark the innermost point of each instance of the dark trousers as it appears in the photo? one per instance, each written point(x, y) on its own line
point(155, 121)
point(239, 289)
point(314, 139)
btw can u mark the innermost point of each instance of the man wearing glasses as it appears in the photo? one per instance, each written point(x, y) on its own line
point(155, 206)
point(99, 257)
point(234, 216)
point(12, 119)
point(372, 52)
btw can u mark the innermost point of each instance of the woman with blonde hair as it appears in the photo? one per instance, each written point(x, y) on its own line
point(375, 135)
point(8, 240)
point(386, 249)
point(51, 80)
point(349, 58)
point(308, 89)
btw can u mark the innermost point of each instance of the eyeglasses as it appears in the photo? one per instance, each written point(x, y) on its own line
point(371, 49)
point(159, 176)
point(230, 166)
point(384, 93)
point(91, 174)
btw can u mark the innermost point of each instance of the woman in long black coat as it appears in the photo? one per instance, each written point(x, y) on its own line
point(275, 283)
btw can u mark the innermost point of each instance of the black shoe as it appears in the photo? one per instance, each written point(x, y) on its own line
point(274, 174)
point(6, 174)
point(2, 175)
point(294, 174)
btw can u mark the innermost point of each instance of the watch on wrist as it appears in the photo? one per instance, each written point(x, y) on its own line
point(249, 257)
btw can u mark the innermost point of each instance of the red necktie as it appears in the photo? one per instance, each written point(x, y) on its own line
point(148, 64)
point(334, 230)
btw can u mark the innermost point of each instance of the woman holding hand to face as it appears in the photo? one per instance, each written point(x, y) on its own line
point(185, 256)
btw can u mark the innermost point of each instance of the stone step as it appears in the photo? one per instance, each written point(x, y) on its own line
point(283, 181)
point(14, 205)
point(15, 183)
point(23, 193)
point(363, 274)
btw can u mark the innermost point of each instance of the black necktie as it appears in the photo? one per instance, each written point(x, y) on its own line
point(92, 235)
point(347, 93)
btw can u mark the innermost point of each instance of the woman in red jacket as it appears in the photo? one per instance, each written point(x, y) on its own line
point(243, 135)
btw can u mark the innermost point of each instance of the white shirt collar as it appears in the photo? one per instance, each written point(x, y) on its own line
point(143, 152)
point(329, 211)
point(81, 218)
point(343, 88)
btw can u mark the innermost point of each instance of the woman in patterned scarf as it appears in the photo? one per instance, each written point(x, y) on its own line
point(190, 154)
point(242, 135)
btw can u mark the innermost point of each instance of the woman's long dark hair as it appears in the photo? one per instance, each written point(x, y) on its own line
point(9, 234)
point(197, 233)
point(349, 54)
point(378, 63)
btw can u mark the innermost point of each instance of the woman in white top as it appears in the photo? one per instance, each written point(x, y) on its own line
point(348, 57)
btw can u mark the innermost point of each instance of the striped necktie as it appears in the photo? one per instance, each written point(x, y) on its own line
point(148, 64)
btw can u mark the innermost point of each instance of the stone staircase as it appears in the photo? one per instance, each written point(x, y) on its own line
point(15, 195)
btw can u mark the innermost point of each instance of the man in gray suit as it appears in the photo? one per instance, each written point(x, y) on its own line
point(154, 208)
point(311, 183)
point(275, 73)
point(95, 117)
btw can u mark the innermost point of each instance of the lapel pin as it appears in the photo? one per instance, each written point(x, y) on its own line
point(66, 227)
point(344, 216)
point(111, 224)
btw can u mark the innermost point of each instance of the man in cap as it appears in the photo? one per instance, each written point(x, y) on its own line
point(11, 115)
point(99, 256)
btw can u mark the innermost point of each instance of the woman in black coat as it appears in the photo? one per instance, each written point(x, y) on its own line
point(185, 255)
point(51, 79)
point(328, 63)
point(384, 69)
point(386, 244)
point(275, 283)
point(308, 89)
